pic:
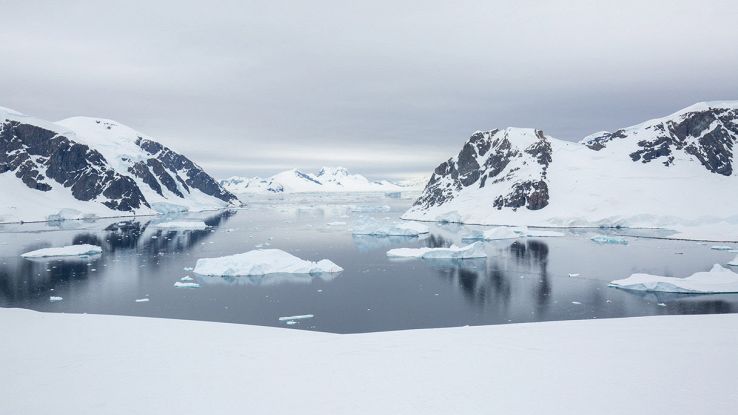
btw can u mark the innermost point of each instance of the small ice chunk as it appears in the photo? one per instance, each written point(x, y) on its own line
point(721, 247)
point(180, 284)
point(54, 299)
point(142, 300)
point(475, 250)
point(606, 239)
point(262, 262)
point(188, 268)
point(717, 280)
point(397, 229)
point(574, 275)
point(184, 225)
point(186, 278)
point(300, 317)
point(71, 250)
point(576, 302)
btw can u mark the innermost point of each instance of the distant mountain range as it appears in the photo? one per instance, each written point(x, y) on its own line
point(83, 167)
point(328, 179)
point(679, 169)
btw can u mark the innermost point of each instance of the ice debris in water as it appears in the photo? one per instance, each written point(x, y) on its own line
point(54, 299)
point(475, 250)
point(142, 300)
point(300, 317)
point(188, 268)
point(186, 278)
point(605, 239)
point(180, 284)
point(71, 250)
point(721, 247)
point(574, 275)
point(397, 229)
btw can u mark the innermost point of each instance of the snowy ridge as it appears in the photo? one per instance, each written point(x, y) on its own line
point(95, 167)
point(328, 179)
point(664, 172)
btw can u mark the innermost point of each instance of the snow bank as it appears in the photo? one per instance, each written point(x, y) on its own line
point(184, 225)
point(577, 363)
point(262, 262)
point(717, 280)
point(396, 229)
point(475, 250)
point(71, 250)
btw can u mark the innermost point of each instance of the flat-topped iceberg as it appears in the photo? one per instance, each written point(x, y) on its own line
point(717, 280)
point(475, 250)
point(395, 229)
point(71, 250)
point(188, 225)
point(262, 262)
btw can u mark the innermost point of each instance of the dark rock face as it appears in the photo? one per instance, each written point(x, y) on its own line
point(707, 135)
point(483, 160)
point(37, 156)
point(164, 163)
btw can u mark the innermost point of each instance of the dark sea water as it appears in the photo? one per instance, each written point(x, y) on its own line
point(522, 280)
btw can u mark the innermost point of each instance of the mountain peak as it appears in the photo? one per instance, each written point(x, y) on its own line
point(333, 171)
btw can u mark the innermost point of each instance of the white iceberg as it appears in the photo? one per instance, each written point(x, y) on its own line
point(187, 225)
point(717, 280)
point(71, 250)
point(300, 317)
point(54, 299)
point(475, 250)
point(605, 239)
point(396, 229)
point(262, 262)
point(721, 247)
point(180, 284)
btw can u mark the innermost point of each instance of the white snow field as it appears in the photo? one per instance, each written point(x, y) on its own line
point(131, 365)
point(182, 225)
point(71, 250)
point(403, 228)
point(475, 250)
point(717, 280)
point(262, 262)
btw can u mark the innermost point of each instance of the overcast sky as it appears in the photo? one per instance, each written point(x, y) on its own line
point(385, 88)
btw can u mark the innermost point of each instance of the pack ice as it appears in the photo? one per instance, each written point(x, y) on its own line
point(717, 280)
point(475, 250)
point(71, 250)
point(262, 262)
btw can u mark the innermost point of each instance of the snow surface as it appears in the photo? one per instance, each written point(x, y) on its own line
point(475, 250)
point(403, 228)
point(717, 280)
point(131, 365)
point(71, 250)
point(328, 179)
point(185, 225)
point(262, 262)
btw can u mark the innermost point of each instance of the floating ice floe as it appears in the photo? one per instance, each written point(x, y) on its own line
point(186, 225)
point(574, 275)
point(71, 250)
point(54, 299)
point(717, 280)
point(180, 284)
point(142, 300)
point(186, 278)
point(396, 229)
point(605, 239)
point(475, 250)
point(262, 262)
point(300, 317)
point(721, 247)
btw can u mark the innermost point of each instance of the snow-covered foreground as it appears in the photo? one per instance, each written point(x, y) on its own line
point(125, 365)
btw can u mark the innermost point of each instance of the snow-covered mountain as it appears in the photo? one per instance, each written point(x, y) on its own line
point(328, 179)
point(678, 169)
point(90, 166)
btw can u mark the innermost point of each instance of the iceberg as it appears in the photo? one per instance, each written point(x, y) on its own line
point(721, 247)
point(717, 280)
point(300, 317)
point(71, 250)
point(180, 284)
point(54, 299)
point(187, 225)
point(475, 250)
point(262, 262)
point(397, 229)
point(604, 239)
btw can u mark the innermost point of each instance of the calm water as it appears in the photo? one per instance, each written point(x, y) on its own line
point(521, 281)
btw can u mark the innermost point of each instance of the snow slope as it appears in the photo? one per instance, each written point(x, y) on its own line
point(96, 167)
point(328, 179)
point(668, 172)
point(125, 365)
